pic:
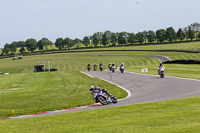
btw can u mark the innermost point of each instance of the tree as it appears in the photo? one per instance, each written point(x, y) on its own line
point(77, 42)
point(151, 36)
point(22, 49)
point(190, 33)
point(44, 42)
point(104, 40)
point(95, 40)
point(125, 35)
point(140, 37)
point(145, 34)
point(131, 38)
point(113, 39)
point(13, 48)
point(160, 35)
point(199, 36)
point(40, 45)
point(196, 28)
point(170, 34)
point(91, 39)
point(19, 44)
point(86, 41)
point(31, 44)
point(185, 29)
point(59, 43)
point(108, 36)
point(68, 42)
point(180, 34)
point(121, 38)
point(6, 48)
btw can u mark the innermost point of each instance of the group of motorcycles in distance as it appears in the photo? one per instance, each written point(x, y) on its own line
point(101, 95)
point(111, 67)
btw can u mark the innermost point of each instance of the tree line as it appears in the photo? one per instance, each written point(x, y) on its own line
point(109, 38)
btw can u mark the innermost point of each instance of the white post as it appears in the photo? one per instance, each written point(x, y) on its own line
point(49, 65)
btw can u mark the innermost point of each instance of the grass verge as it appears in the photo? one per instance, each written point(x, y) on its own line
point(29, 93)
point(181, 115)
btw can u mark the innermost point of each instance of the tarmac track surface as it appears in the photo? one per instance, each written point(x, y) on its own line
point(141, 88)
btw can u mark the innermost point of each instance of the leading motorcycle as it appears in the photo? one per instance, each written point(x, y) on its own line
point(104, 98)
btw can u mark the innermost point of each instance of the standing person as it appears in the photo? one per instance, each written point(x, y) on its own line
point(101, 67)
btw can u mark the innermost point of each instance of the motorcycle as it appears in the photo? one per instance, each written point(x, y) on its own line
point(95, 68)
point(104, 98)
point(113, 69)
point(122, 69)
point(162, 72)
point(101, 68)
point(88, 68)
point(110, 67)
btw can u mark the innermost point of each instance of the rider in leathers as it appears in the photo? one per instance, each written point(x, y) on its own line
point(94, 90)
point(160, 66)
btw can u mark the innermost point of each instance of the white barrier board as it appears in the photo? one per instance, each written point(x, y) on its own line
point(145, 70)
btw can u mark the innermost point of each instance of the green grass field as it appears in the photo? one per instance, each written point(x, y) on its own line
point(189, 46)
point(27, 92)
point(178, 116)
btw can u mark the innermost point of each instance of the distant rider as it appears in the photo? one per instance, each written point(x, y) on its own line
point(113, 65)
point(122, 65)
point(110, 66)
point(95, 67)
point(159, 67)
point(88, 67)
point(101, 66)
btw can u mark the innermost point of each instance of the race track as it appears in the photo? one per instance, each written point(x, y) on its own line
point(141, 88)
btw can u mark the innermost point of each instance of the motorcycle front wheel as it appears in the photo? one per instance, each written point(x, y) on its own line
point(102, 100)
point(114, 100)
point(113, 70)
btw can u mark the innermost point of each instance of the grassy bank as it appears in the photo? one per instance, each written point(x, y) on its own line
point(180, 115)
point(29, 93)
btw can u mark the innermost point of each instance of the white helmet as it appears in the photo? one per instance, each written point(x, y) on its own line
point(91, 88)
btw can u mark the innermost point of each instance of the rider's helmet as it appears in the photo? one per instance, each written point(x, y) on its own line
point(91, 88)
point(160, 64)
point(104, 90)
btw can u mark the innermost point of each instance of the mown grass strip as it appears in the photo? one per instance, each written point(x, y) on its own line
point(181, 115)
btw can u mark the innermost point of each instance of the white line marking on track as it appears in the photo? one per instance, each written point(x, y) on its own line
point(87, 74)
point(129, 93)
